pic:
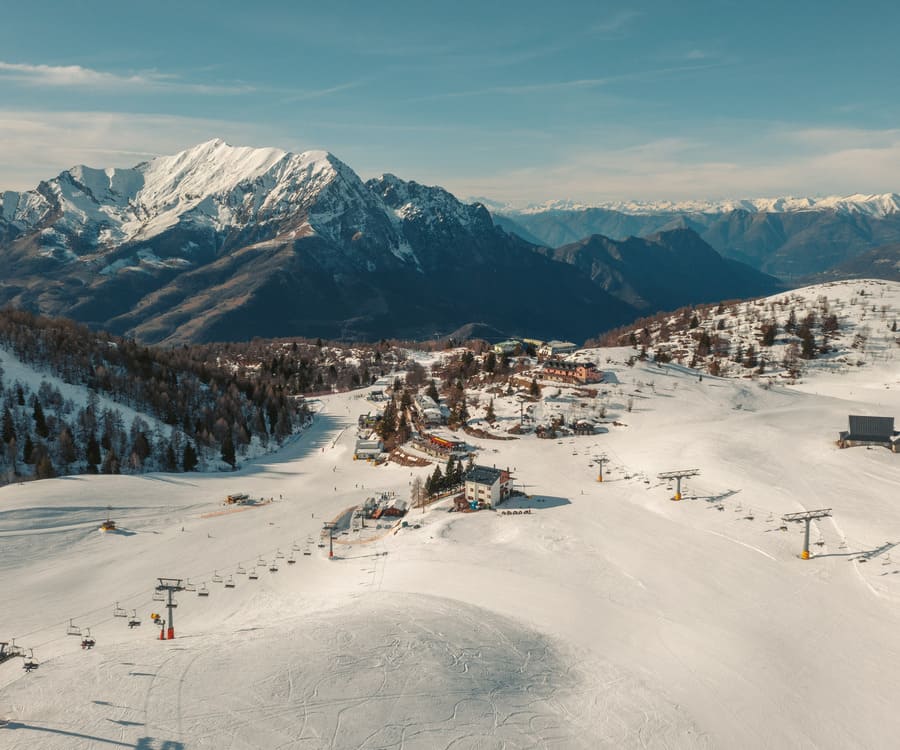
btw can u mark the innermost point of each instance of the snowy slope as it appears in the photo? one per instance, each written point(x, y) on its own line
point(609, 616)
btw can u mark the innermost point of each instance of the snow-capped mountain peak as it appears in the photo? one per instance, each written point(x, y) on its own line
point(876, 205)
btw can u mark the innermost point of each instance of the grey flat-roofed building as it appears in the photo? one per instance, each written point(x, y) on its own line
point(867, 430)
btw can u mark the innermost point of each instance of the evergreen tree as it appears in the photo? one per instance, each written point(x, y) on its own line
point(435, 481)
point(9, 427)
point(28, 450)
point(449, 473)
point(534, 390)
point(432, 392)
point(489, 415)
point(40, 422)
point(189, 459)
point(170, 462)
point(93, 453)
point(228, 450)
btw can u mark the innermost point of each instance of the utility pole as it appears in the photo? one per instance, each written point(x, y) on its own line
point(807, 517)
point(171, 585)
point(330, 526)
point(678, 476)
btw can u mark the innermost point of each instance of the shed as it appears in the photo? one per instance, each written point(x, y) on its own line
point(869, 430)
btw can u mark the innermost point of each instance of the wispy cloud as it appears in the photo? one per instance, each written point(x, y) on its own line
point(77, 76)
point(303, 95)
point(615, 25)
point(818, 161)
point(579, 83)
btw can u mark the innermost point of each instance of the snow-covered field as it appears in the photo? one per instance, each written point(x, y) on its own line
point(607, 617)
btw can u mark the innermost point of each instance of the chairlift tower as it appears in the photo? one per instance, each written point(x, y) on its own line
point(330, 526)
point(678, 476)
point(169, 585)
point(806, 516)
point(600, 461)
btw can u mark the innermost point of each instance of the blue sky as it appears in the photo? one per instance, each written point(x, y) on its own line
point(520, 102)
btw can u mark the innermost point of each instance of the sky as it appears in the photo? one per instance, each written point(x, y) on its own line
point(517, 102)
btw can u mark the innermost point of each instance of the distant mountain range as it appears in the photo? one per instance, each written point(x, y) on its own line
point(791, 238)
point(226, 243)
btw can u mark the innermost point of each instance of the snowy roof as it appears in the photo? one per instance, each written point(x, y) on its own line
point(483, 475)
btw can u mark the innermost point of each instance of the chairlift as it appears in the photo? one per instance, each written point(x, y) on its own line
point(291, 559)
point(216, 578)
point(307, 551)
point(86, 641)
point(30, 662)
point(229, 584)
point(133, 620)
point(239, 570)
point(158, 596)
point(73, 629)
point(253, 575)
point(296, 547)
point(279, 555)
point(203, 591)
point(260, 561)
point(119, 612)
point(273, 567)
point(188, 586)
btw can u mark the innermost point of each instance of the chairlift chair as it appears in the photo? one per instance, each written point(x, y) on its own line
point(73, 629)
point(260, 561)
point(30, 663)
point(273, 567)
point(133, 620)
point(216, 578)
point(239, 570)
point(296, 547)
point(87, 642)
point(203, 591)
point(291, 560)
point(307, 551)
point(229, 584)
point(119, 612)
point(279, 555)
point(188, 586)
point(253, 575)
point(158, 596)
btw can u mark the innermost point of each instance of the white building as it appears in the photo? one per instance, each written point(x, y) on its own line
point(368, 449)
point(556, 348)
point(487, 485)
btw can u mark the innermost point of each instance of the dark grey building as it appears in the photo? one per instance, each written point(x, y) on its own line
point(866, 430)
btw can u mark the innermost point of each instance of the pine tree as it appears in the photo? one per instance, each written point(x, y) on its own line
point(28, 450)
point(228, 450)
point(432, 392)
point(534, 390)
point(93, 453)
point(9, 427)
point(40, 422)
point(189, 459)
point(489, 415)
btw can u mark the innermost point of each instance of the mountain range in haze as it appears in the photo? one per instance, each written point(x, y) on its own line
point(227, 243)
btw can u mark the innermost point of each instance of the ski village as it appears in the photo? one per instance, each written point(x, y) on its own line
point(679, 535)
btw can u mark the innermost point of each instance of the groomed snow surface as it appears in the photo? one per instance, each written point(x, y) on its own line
point(608, 617)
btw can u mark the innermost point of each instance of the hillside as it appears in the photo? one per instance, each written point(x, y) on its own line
point(579, 614)
point(73, 401)
point(664, 270)
point(833, 326)
point(787, 239)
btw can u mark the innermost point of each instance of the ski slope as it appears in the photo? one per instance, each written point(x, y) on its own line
point(609, 616)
